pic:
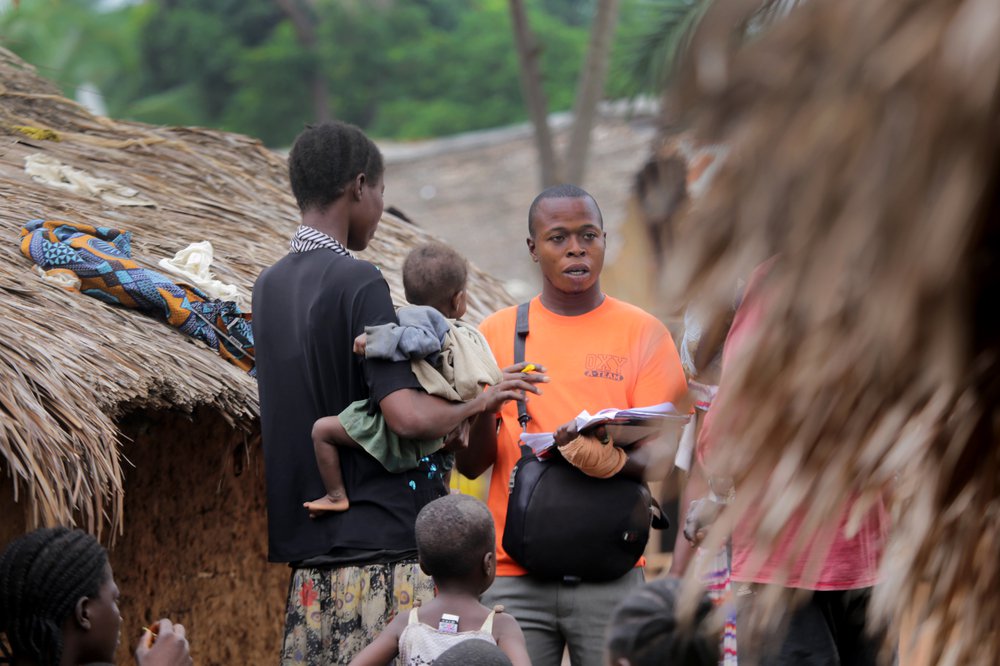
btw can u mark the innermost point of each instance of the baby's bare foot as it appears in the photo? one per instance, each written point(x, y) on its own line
point(326, 503)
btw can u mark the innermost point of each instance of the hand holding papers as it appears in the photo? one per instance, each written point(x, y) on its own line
point(625, 426)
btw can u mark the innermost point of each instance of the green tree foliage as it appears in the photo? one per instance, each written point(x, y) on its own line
point(400, 68)
point(72, 44)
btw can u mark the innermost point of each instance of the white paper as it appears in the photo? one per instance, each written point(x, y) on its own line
point(626, 426)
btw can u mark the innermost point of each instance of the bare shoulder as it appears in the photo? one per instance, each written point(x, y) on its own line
point(398, 623)
point(504, 623)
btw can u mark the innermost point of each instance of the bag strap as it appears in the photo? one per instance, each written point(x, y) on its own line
point(659, 521)
point(520, 335)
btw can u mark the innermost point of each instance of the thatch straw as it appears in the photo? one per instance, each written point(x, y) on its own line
point(72, 365)
point(865, 154)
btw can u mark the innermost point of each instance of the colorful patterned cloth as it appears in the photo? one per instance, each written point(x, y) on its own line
point(716, 578)
point(334, 613)
point(101, 257)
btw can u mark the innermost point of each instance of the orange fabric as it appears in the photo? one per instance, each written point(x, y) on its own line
point(615, 356)
point(594, 458)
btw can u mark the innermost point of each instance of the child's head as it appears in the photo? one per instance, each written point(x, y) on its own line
point(456, 542)
point(645, 631)
point(473, 653)
point(57, 593)
point(435, 275)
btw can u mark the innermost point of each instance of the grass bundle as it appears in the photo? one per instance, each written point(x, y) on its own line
point(863, 143)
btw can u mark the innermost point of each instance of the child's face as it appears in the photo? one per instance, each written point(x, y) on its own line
point(105, 621)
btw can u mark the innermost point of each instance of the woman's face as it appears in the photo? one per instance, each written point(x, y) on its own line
point(105, 621)
point(368, 213)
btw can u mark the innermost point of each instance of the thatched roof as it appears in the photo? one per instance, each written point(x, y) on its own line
point(71, 365)
point(865, 154)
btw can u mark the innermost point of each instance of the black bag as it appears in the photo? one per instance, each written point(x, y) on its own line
point(565, 525)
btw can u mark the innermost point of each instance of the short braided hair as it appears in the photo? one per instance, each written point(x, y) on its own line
point(42, 575)
point(454, 532)
point(433, 273)
point(326, 158)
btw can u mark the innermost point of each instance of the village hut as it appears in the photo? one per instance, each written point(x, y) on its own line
point(864, 155)
point(116, 422)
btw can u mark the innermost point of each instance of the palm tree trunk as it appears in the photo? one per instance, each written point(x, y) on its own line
point(590, 89)
point(302, 15)
point(534, 95)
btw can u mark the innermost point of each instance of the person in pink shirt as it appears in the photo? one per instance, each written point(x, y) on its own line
point(838, 567)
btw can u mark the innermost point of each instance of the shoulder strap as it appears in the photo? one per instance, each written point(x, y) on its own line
point(487, 627)
point(659, 520)
point(520, 335)
point(413, 616)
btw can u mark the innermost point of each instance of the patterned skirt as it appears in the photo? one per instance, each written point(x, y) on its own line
point(334, 613)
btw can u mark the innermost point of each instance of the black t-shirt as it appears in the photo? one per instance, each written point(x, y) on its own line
point(307, 310)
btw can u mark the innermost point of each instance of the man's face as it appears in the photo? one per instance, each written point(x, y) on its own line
point(366, 215)
point(568, 243)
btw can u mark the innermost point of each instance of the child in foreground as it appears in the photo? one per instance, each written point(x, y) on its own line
point(456, 546)
point(450, 359)
point(59, 606)
point(646, 629)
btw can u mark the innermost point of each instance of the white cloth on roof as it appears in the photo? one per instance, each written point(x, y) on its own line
point(193, 264)
point(49, 171)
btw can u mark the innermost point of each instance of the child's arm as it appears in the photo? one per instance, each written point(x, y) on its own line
point(510, 639)
point(384, 648)
point(361, 344)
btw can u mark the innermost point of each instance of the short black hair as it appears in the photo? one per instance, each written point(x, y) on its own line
point(325, 158)
point(644, 628)
point(454, 533)
point(42, 576)
point(564, 191)
point(433, 273)
point(473, 652)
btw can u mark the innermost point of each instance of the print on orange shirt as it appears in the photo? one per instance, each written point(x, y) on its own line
point(605, 366)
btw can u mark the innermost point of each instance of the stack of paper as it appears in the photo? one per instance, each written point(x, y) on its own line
point(626, 426)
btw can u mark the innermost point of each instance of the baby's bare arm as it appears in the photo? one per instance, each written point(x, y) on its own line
point(510, 639)
point(360, 343)
point(384, 648)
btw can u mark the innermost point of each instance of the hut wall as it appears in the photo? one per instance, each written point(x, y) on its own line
point(12, 514)
point(194, 547)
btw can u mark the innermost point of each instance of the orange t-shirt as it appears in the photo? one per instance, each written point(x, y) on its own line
point(617, 355)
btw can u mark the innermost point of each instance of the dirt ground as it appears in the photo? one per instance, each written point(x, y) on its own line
point(473, 191)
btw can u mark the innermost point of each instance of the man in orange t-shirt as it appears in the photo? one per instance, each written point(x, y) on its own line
point(593, 352)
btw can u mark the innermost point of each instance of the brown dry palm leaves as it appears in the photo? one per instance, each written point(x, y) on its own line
point(864, 142)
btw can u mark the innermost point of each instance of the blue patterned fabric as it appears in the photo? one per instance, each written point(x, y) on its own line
point(101, 257)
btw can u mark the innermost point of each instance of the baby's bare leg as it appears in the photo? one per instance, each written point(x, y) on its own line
point(328, 433)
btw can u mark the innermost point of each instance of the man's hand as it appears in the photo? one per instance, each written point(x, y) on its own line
point(360, 343)
point(529, 372)
point(567, 432)
point(515, 386)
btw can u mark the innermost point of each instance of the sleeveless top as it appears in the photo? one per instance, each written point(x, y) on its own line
point(420, 644)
